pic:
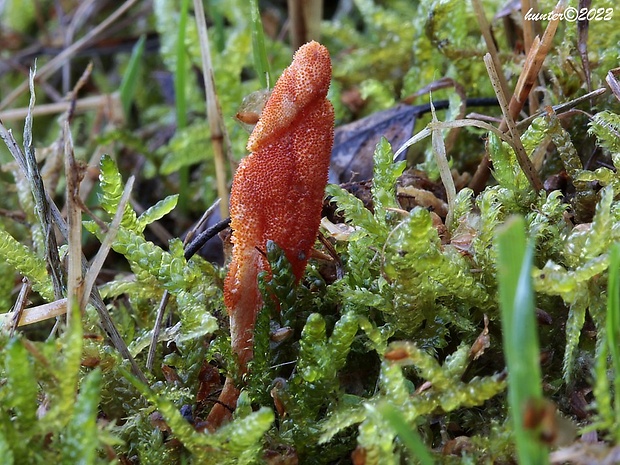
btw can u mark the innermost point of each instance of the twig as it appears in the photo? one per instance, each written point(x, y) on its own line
point(534, 61)
point(563, 107)
point(203, 219)
point(612, 81)
point(528, 39)
point(214, 114)
point(528, 26)
point(582, 42)
point(305, 21)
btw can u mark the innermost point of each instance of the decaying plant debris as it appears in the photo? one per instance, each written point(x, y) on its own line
point(469, 140)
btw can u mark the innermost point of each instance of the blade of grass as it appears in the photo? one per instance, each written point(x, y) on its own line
point(41, 199)
point(261, 64)
point(407, 434)
point(439, 150)
point(130, 78)
point(613, 328)
point(180, 79)
point(519, 335)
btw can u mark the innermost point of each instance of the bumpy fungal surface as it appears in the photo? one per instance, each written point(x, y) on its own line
point(277, 194)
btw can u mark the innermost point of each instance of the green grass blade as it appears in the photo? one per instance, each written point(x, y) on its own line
point(261, 63)
point(82, 437)
point(407, 434)
point(180, 83)
point(130, 78)
point(519, 335)
point(180, 75)
point(613, 328)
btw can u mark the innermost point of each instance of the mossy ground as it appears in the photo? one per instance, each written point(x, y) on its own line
point(392, 348)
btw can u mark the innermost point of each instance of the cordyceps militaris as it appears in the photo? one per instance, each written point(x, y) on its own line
point(277, 195)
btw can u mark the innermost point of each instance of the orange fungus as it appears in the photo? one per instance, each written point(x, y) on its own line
point(277, 194)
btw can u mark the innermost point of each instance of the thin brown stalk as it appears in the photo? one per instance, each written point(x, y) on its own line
point(583, 28)
point(612, 82)
point(522, 158)
point(161, 309)
point(533, 64)
point(305, 21)
point(563, 107)
point(36, 314)
point(485, 29)
point(214, 114)
point(75, 288)
point(20, 305)
point(106, 245)
point(41, 200)
point(528, 38)
point(528, 26)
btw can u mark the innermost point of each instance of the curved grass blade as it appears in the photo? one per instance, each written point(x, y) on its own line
point(520, 337)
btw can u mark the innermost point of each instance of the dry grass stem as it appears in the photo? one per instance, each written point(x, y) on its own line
point(59, 60)
point(41, 199)
point(304, 21)
point(161, 309)
point(439, 150)
point(82, 105)
point(533, 64)
point(106, 245)
point(75, 287)
point(36, 314)
point(485, 29)
point(612, 81)
point(20, 305)
point(424, 133)
point(214, 113)
point(522, 157)
point(106, 321)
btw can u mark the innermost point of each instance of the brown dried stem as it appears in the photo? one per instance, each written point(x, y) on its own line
point(533, 64)
point(305, 21)
point(214, 113)
point(522, 158)
point(75, 288)
point(485, 29)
